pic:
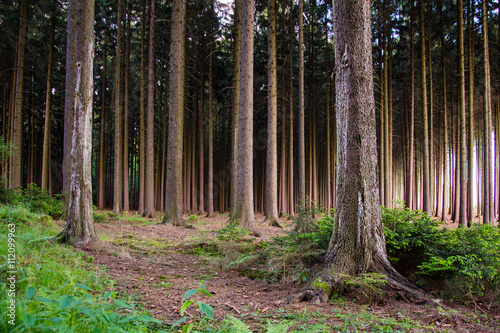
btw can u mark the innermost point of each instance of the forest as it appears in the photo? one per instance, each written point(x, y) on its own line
point(351, 160)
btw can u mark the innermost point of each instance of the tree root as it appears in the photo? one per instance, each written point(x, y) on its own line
point(272, 222)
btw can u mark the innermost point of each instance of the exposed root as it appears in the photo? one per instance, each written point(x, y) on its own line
point(272, 222)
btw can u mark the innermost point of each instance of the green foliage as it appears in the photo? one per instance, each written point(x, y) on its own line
point(457, 262)
point(468, 257)
point(34, 199)
point(205, 310)
point(232, 233)
point(193, 218)
point(318, 283)
point(57, 289)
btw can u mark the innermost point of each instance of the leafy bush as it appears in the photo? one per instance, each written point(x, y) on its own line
point(457, 263)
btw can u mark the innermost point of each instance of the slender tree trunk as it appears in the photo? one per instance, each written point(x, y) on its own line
point(17, 137)
point(462, 222)
point(272, 122)
point(101, 174)
point(142, 125)
point(471, 166)
point(210, 189)
point(126, 113)
point(201, 128)
point(302, 148)
point(411, 145)
point(149, 189)
point(118, 154)
point(48, 96)
point(173, 201)
point(79, 228)
point(488, 216)
point(426, 171)
point(235, 106)
point(244, 214)
point(291, 187)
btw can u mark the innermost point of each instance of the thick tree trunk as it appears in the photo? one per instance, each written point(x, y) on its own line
point(173, 200)
point(357, 245)
point(272, 121)
point(79, 229)
point(244, 213)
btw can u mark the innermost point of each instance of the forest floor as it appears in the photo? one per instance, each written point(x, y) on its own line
point(158, 263)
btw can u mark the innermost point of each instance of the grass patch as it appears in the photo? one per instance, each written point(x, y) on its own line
point(57, 288)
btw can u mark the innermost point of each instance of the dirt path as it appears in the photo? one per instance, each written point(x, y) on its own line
point(149, 260)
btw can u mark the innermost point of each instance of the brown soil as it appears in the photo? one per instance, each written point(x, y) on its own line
point(160, 275)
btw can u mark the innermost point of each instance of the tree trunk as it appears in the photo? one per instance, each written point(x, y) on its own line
point(118, 154)
point(471, 166)
point(48, 96)
point(358, 244)
point(142, 125)
point(210, 185)
point(173, 200)
point(101, 173)
point(149, 188)
point(411, 144)
point(272, 121)
point(17, 133)
point(244, 213)
point(488, 216)
point(126, 113)
point(462, 222)
point(235, 106)
point(426, 171)
point(291, 187)
point(79, 229)
point(302, 148)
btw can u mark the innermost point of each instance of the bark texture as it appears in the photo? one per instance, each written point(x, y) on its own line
point(79, 229)
point(244, 213)
point(173, 199)
point(272, 122)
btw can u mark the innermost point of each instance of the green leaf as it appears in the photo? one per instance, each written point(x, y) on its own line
point(86, 311)
point(189, 293)
point(30, 292)
point(122, 304)
point(206, 293)
point(107, 294)
point(180, 321)
point(188, 328)
point(128, 319)
point(65, 301)
point(83, 286)
point(44, 300)
point(147, 319)
point(185, 305)
point(206, 309)
point(29, 320)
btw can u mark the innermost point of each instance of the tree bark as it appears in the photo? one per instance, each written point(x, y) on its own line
point(142, 125)
point(411, 144)
point(235, 106)
point(302, 148)
point(149, 188)
point(244, 213)
point(471, 166)
point(210, 186)
point(272, 121)
point(488, 216)
point(173, 200)
point(462, 222)
point(48, 117)
point(17, 133)
point(126, 113)
point(79, 229)
point(101, 173)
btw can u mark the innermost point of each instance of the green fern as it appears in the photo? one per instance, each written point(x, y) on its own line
point(238, 325)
